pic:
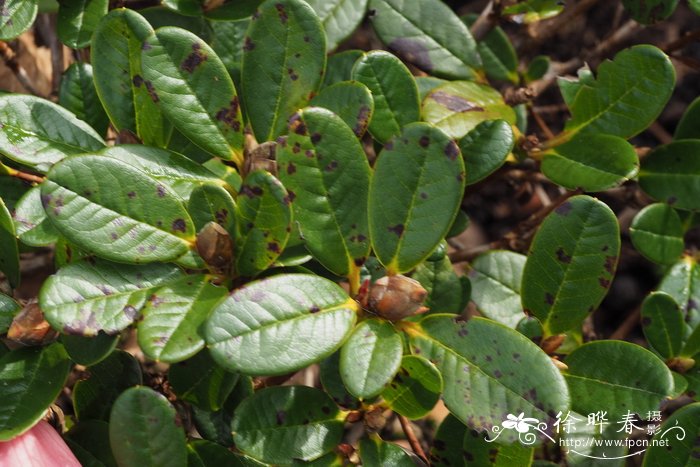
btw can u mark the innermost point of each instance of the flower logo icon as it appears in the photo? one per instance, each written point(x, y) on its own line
point(520, 423)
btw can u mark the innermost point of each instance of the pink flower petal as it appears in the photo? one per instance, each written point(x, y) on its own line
point(41, 446)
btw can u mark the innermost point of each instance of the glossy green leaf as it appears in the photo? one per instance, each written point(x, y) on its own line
point(571, 263)
point(77, 21)
point(216, 426)
point(31, 223)
point(279, 424)
point(446, 450)
point(657, 233)
point(662, 323)
point(537, 68)
point(394, 92)
point(185, 7)
point(592, 163)
point(30, 379)
point(679, 433)
point(682, 282)
point(283, 62)
point(202, 453)
point(415, 389)
point(475, 450)
point(627, 95)
point(689, 125)
point(485, 148)
point(143, 430)
point(212, 203)
point(490, 371)
point(459, 106)
point(370, 358)
point(39, 133)
point(339, 66)
point(8, 308)
point(9, 258)
point(374, 451)
point(170, 331)
point(194, 91)
point(90, 296)
point(531, 11)
point(200, 381)
point(93, 397)
point(496, 278)
point(304, 318)
point(332, 382)
point(351, 101)
point(680, 385)
point(443, 286)
point(12, 189)
point(172, 169)
point(323, 164)
point(227, 42)
point(17, 16)
point(78, 94)
point(497, 53)
point(691, 345)
point(116, 211)
point(650, 12)
point(160, 16)
point(115, 54)
point(670, 172)
point(409, 214)
point(429, 35)
point(339, 18)
point(89, 441)
point(88, 351)
point(596, 445)
point(263, 219)
point(601, 377)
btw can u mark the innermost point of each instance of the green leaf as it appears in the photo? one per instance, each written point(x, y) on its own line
point(233, 10)
point(323, 164)
point(200, 381)
point(531, 11)
point(205, 453)
point(11, 188)
point(409, 214)
point(351, 101)
point(657, 233)
point(145, 423)
point(496, 278)
point(447, 445)
point(305, 319)
point(172, 169)
point(89, 351)
point(89, 441)
point(670, 172)
point(682, 282)
point(124, 214)
point(160, 16)
point(86, 297)
point(443, 285)
point(93, 397)
point(415, 389)
point(689, 125)
point(600, 377)
point(9, 259)
point(30, 379)
point(662, 323)
point(497, 53)
point(77, 21)
point(537, 68)
point(628, 94)
point(39, 133)
point(78, 94)
point(31, 224)
point(374, 451)
point(279, 424)
point(339, 18)
point(8, 309)
point(394, 92)
point(490, 371)
point(17, 16)
point(571, 263)
point(173, 315)
point(485, 148)
point(459, 106)
point(194, 91)
point(227, 42)
point(185, 7)
point(591, 162)
point(477, 451)
point(263, 219)
point(216, 426)
point(429, 35)
point(370, 358)
point(597, 444)
point(115, 54)
point(332, 382)
point(339, 66)
point(283, 62)
point(678, 435)
point(650, 12)
point(212, 203)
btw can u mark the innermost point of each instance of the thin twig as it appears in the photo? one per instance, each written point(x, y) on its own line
point(541, 123)
point(627, 325)
point(10, 59)
point(660, 133)
point(26, 176)
point(484, 23)
point(412, 439)
point(48, 31)
point(682, 41)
